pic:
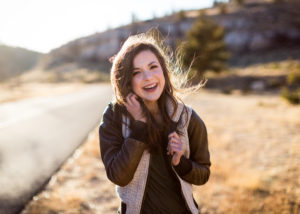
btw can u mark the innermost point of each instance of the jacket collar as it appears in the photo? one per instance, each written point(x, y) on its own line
point(170, 109)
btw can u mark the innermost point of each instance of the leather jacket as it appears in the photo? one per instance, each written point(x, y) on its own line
point(121, 156)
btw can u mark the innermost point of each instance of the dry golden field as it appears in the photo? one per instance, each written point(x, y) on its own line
point(254, 141)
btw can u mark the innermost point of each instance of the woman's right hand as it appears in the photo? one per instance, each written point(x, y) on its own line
point(133, 106)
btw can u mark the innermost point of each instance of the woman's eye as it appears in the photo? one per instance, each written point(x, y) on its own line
point(154, 66)
point(135, 73)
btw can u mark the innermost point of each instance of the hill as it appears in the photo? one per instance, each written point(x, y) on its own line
point(15, 61)
point(255, 32)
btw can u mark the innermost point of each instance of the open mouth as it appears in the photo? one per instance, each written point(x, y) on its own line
point(150, 88)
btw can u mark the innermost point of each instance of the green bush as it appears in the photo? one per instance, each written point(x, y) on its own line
point(293, 78)
point(239, 2)
point(227, 90)
point(205, 48)
point(292, 96)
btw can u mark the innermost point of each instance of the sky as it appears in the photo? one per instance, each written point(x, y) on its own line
point(42, 25)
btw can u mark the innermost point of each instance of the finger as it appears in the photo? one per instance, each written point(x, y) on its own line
point(171, 151)
point(134, 100)
point(128, 100)
point(172, 146)
point(170, 137)
point(175, 140)
point(177, 150)
point(129, 95)
point(176, 145)
point(176, 159)
point(126, 104)
point(173, 134)
point(178, 155)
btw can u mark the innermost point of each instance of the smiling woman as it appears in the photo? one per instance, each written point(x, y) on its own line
point(153, 146)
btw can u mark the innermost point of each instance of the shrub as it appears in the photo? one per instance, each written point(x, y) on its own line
point(293, 78)
point(292, 96)
point(205, 48)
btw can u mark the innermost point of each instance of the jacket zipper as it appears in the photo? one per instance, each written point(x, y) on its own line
point(146, 183)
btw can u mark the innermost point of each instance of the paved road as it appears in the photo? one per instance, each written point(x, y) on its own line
point(36, 137)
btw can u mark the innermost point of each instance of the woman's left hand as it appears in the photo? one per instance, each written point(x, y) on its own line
point(175, 148)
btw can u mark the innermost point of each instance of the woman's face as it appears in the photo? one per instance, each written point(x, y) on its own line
point(148, 80)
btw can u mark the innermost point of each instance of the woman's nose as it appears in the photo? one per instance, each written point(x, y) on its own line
point(147, 74)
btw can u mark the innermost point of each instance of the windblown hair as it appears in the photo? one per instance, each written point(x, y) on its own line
point(122, 74)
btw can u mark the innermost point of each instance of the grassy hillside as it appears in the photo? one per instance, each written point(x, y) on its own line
point(14, 61)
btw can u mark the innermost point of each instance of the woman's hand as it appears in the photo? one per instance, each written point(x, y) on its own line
point(175, 148)
point(133, 106)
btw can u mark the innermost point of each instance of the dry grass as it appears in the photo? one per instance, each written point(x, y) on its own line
point(266, 69)
point(255, 153)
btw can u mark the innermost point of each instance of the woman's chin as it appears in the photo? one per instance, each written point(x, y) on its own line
point(150, 100)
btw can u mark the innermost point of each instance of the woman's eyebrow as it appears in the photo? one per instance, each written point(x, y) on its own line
point(151, 62)
point(148, 65)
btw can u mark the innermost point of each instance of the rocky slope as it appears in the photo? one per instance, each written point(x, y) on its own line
point(256, 29)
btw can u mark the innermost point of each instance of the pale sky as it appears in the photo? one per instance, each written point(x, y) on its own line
point(42, 25)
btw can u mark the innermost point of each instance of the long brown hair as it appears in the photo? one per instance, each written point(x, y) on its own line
point(121, 78)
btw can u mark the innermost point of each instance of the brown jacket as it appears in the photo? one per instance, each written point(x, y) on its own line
point(121, 156)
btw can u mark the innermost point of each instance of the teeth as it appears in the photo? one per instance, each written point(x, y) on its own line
point(151, 86)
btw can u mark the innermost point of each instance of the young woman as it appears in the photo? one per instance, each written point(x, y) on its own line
point(153, 146)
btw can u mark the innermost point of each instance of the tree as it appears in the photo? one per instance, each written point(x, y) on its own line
point(223, 8)
point(239, 2)
point(205, 48)
point(181, 15)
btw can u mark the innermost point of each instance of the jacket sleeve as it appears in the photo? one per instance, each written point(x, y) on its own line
point(196, 169)
point(120, 156)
